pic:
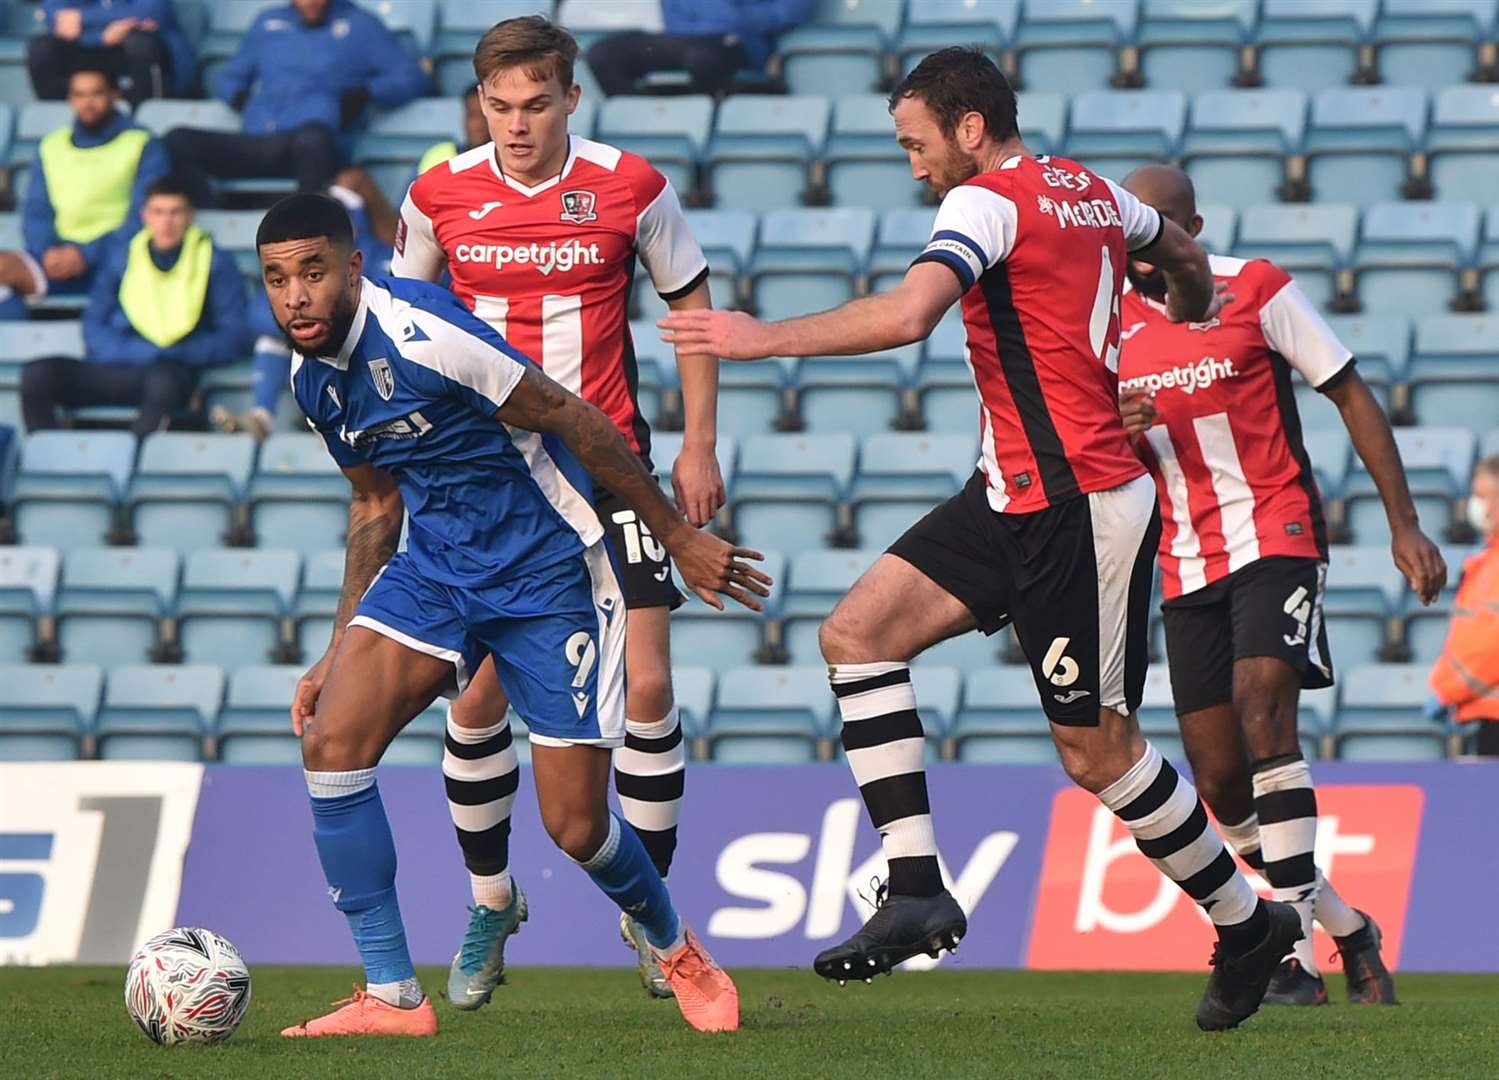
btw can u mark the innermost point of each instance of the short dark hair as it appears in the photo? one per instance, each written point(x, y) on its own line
point(169, 184)
point(959, 80)
point(532, 42)
point(111, 80)
point(306, 216)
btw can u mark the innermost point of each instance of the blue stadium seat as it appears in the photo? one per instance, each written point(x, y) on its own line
point(727, 238)
point(1382, 344)
point(1157, 712)
point(771, 715)
point(227, 23)
point(665, 445)
point(1190, 46)
point(70, 485)
point(298, 497)
point(254, 725)
point(787, 488)
point(1237, 139)
point(317, 600)
point(751, 396)
point(1438, 466)
point(460, 23)
point(187, 485)
point(112, 602)
point(413, 21)
point(404, 134)
point(1409, 255)
point(1316, 717)
point(938, 692)
point(1488, 259)
point(842, 47)
point(161, 115)
point(655, 365)
point(28, 580)
point(1001, 719)
point(234, 231)
point(34, 339)
point(1042, 115)
point(1426, 626)
point(1115, 131)
point(1311, 242)
point(902, 476)
point(865, 165)
point(900, 237)
point(1454, 371)
point(1430, 43)
point(1072, 46)
point(1220, 224)
point(1361, 139)
point(807, 260)
point(1380, 716)
point(936, 24)
point(47, 710)
point(862, 395)
point(33, 121)
point(1312, 44)
point(762, 147)
point(817, 581)
point(233, 604)
point(1364, 587)
point(159, 712)
point(1463, 143)
point(944, 382)
point(671, 132)
point(733, 637)
point(692, 688)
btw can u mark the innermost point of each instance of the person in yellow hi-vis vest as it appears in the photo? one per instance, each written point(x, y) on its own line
point(1465, 678)
point(86, 181)
point(166, 303)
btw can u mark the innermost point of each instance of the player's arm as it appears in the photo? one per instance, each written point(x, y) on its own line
point(375, 515)
point(416, 254)
point(708, 565)
point(695, 476)
point(1190, 293)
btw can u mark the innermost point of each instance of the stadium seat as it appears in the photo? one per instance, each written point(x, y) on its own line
point(1363, 594)
point(187, 486)
point(938, 691)
point(1463, 144)
point(1157, 712)
point(936, 24)
point(1409, 255)
point(69, 486)
point(817, 581)
point(1361, 138)
point(1382, 344)
point(35, 120)
point(665, 445)
point(112, 602)
point(227, 23)
point(692, 688)
point(234, 231)
point(161, 115)
point(233, 604)
point(1220, 224)
point(1190, 46)
point(1438, 466)
point(808, 260)
point(787, 488)
point(1311, 242)
point(865, 165)
point(298, 497)
point(727, 238)
point(1380, 717)
point(1316, 716)
point(1117, 131)
point(1430, 43)
point(841, 49)
point(253, 726)
point(47, 710)
point(762, 147)
point(1000, 719)
point(317, 600)
point(771, 715)
point(1488, 259)
point(28, 580)
point(1312, 44)
point(752, 397)
point(159, 712)
point(1236, 141)
point(1329, 450)
point(1071, 46)
point(460, 23)
point(862, 395)
point(405, 133)
point(899, 239)
point(31, 340)
point(1426, 626)
point(733, 637)
point(1042, 115)
point(670, 132)
point(1454, 371)
point(902, 476)
point(413, 21)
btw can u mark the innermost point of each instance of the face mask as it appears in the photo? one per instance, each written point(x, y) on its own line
point(1478, 515)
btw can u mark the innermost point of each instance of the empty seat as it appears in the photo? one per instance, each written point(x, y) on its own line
point(1438, 467)
point(1488, 259)
point(1001, 718)
point(231, 608)
point(841, 48)
point(1219, 227)
point(692, 688)
point(729, 638)
point(1361, 140)
point(1409, 255)
point(69, 486)
point(773, 715)
point(298, 497)
point(1463, 143)
point(254, 725)
point(28, 580)
point(1042, 116)
point(666, 445)
point(807, 260)
point(187, 485)
point(902, 476)
point(1363, 593)
point(159, 711)
point(787, 488)
point(1328, 449)
point(1312, 44)
point(460, 23)
point(1072, 45)
point(938, 691)
point(1189, 46)
point(899, 238)
point(160, 116)
point(47, 709)
point(1381, 714)
point(752, 397)
point(1381, 342)
point(936, 24)
point(861, 395)
point(1454, 371)
point(1157, 712)
point(762, 147)
point(234, 231)
point(317, 600)
point(33, 339)
point(1430, 43)
point(112, 602)
point(865, 165)
point(1116, 131)
point(671, 132)
point(1426, 626)
point(1237, 139)
point(405, 133)
point(817, 581)
point(1312, 242)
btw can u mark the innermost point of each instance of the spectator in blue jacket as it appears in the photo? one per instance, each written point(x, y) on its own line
point(139, 40)
point(713, 40)
point(303, 74)
point(86, 181)
point(166, 304)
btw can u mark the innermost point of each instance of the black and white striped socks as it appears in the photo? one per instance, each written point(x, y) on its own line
point(886, 749)
point(481, 773)
point(649, 776)
point(1286, 805)
point(1170, 826)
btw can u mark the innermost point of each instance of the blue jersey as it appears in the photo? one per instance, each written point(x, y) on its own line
point(414, 391)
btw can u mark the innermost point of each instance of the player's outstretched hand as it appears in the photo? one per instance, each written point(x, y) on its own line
point(309, 687)
point(728, 335)
point(1137, 410)
point(1420, 561)
point(711, 565)
point(698, 483)
point(1221, 299)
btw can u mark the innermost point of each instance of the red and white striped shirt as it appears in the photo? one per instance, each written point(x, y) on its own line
point(550, 267)
point(1233, 476)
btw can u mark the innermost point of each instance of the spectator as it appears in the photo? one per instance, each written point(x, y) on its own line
point(303, 74)
point(1465, 679)
point(712, 39)
point(139, 40)
point(86, 181)
point(166, 304)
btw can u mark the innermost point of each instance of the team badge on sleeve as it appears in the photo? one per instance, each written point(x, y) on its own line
point(578, 207)
point(383, 378)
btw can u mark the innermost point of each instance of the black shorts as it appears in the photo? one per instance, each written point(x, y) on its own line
point(1272, 607)
point(643, 566)
point(1074, 578)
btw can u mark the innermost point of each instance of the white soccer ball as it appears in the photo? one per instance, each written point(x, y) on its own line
point(187, 985)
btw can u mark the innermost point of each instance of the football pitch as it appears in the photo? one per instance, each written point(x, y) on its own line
point(594, 1023)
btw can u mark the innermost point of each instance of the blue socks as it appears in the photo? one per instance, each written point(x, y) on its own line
point(624, 871)
point(359, 862)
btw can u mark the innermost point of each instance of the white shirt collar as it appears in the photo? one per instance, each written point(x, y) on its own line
point(530, 192)
point(356, 330)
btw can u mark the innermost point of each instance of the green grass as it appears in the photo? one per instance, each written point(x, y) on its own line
point(71, 1022)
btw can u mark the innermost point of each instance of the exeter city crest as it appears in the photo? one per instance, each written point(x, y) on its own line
point(577, 207)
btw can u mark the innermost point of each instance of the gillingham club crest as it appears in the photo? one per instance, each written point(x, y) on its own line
point(578, 207)
point(383, 378)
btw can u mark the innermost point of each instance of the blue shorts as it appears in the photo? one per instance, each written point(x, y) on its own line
point(557, 637)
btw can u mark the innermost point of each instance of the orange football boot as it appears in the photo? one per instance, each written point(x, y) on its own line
point(366, 1015)
point(706, 995)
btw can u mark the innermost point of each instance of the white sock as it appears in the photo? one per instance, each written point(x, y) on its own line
point(405, 994)
point(1333, 912)
point(491, 890)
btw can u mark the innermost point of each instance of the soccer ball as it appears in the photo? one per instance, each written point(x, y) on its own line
point(187, 985)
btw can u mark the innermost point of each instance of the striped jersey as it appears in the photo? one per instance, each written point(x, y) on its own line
point(414, 390)
point(550, 267)
point(1233, 477)
point(1039, 246)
